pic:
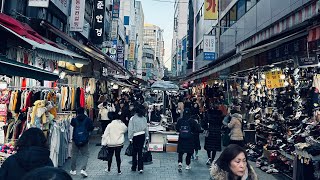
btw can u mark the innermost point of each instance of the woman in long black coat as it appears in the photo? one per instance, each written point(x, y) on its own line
point(212, 124)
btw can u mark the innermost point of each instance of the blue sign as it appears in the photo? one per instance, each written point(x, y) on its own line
point(209, 56)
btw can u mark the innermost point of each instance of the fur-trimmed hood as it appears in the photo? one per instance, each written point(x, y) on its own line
point(218, 174)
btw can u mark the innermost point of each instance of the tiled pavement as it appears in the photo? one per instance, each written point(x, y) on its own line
point(163, 167)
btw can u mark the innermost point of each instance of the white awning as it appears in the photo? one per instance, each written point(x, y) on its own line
point(66, 54)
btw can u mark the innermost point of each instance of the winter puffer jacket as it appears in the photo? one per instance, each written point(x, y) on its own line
point(217, 173)
point(114, 134)
point(24, 161)
point(236, 127)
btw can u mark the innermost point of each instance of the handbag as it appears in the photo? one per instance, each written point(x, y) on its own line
point(129, 150)
point(146, 155)
point(103, 153)
point(225, 139)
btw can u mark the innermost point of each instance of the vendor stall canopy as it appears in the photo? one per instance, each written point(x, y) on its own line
point(164, 86)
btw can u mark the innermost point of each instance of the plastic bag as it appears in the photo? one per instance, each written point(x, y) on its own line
point(103, 153)
point(146, 155)
point(129, 150)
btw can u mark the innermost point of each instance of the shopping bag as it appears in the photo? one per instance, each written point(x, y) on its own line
point(225, 139)
point(129, 150)
point(146, 155)
point(103, 153)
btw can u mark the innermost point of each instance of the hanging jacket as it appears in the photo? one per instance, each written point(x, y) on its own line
point(24, 161)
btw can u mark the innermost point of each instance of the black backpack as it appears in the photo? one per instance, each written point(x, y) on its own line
point(81, 133)
point(185, 130)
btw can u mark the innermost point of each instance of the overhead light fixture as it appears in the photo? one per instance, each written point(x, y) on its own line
point(78, 65)
point(286, 83)
point(272, 65)
point(259, 86)
point(282, 76)
point(115, 86)
point(263, 76)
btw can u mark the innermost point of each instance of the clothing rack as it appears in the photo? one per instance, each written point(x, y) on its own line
point(31, 87)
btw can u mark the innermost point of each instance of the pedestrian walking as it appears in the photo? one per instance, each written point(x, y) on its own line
point(32, 152)
point(186, 126)
point(212, 125)
point(138, 134)
point(232, 164)
point(236, 134)
point(196, 137)
point(113, 137)
point(82, 125)
point(104, 109)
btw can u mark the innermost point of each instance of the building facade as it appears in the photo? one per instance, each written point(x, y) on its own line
point(148, 67)
point(139, 36)
point(153, 36)
point(179, 32)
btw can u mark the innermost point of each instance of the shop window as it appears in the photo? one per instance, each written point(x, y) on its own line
point(241, 8)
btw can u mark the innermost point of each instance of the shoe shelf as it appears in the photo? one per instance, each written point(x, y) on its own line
point(306, 155)
point(289, 156)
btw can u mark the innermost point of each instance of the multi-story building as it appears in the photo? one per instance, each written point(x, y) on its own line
point(153, 36)
point(139, 36)
point(179, 32)
point(149, 63)
point(128, 17)
point(201, 27)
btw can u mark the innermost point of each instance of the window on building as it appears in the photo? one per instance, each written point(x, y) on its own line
point(233, 15)
point(199, 49)
point(250, 4)
point(223, 24)
point(241, 8)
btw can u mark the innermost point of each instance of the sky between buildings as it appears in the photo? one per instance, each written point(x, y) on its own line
point(161, 14)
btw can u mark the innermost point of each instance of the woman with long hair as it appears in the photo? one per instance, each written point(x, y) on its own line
point(232, 165)
point(32, 153)
point(137, 134)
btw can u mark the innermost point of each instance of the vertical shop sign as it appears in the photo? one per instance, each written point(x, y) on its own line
point(210, 9)
point(209, 47)
point(273, 79)
point(77, 15)
point(98, 28)
point(114, 29)
point(39, 3)
point(131, 51)
point(120, 54)
point(115, 9)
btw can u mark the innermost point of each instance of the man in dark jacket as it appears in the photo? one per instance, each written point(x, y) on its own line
point(32, 153)
point(82, 125)
point(186, 127)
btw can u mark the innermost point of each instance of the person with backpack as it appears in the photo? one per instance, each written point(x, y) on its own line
point(212, 125)
point(82, 125)
point(187, 127)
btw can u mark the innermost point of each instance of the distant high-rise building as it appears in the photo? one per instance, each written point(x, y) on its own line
point(153, 36)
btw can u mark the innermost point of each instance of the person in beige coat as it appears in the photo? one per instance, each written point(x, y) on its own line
point(236, 134)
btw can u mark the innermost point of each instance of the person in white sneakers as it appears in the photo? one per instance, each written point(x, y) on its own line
point(113, 137)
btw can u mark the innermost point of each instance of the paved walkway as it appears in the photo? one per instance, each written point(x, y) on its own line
point(163, 167)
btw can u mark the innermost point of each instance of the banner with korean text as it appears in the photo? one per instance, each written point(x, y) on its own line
point(38, 3)
point(98, 27)
point(209, 47)
point(210, 9)
point(77, 15)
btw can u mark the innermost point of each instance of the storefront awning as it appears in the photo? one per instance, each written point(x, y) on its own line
point(14, 68)
point(265, 47)
point(43, 47)
point(100, 56)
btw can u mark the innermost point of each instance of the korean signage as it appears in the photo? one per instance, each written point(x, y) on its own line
point(77, 15)
point(86, 29)
point(209, 47)
point(39, 3)
point(310, 61)
point(114, 29)
point(211, 9)
point(115, 9)
point(120, 54)
point(273, 79)
point(131, 51)
point(63, 5)
point(98, 28)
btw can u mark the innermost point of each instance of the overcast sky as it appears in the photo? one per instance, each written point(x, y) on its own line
point(161, 14)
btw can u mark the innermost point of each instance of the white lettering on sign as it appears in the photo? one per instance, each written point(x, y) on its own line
point(99, 18)
point(99, 32)
point(100, 5)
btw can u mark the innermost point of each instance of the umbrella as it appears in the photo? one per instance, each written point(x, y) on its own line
point(164, 86)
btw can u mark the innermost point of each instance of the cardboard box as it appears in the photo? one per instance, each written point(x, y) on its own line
point(155, 147)
point(171, 147)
